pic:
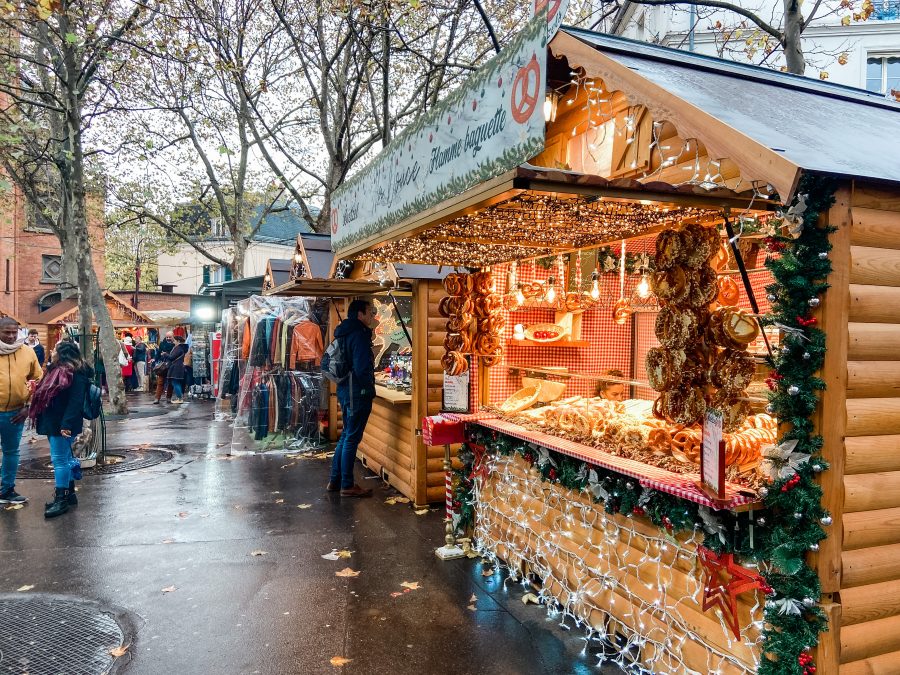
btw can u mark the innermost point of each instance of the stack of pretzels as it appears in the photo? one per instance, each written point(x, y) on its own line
point(702, 360)
point(475, 321)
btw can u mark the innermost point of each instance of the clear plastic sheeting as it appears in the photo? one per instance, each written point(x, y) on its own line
point(270, 382)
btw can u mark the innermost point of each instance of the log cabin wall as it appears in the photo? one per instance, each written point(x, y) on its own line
point(859, 564)
point(392, 445)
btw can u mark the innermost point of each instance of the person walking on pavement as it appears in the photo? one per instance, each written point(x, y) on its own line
point(176, 369)
point(127, 368)
point(161, 368)
point(57, 409)
point(355, 394)
point(34, 341)
point(140, 364)
point(18, 367)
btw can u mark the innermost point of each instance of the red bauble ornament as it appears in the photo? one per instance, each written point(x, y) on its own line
point(638, 511)
point(551, 474)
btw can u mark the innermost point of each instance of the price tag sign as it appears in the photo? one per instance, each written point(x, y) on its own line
point(457, 392)
point(712, 457)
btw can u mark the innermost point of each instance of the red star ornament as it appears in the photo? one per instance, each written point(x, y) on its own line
point(724, 581)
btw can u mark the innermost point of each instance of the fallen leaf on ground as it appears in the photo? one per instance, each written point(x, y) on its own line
point(258, 552)
point(336, 555)
point(339, 661)
point(530, 598)
point(279, 501)
point(116, 652)
point(396, 594)
point(168, 541)
point(489, 572)
point(304, 506)
point(168, 589)
point(14, 507)
point(396, 500)
point(285, 466)
point(422, 512)
point(183, 514)
point(346, 572)
point(22, 589)
point(411, 585)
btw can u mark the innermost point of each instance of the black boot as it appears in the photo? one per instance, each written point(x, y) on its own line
point(73, 498)
point(60, 504)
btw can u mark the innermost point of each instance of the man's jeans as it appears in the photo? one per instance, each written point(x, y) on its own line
point(61, 456)
point(355, 420)
point(10, 437)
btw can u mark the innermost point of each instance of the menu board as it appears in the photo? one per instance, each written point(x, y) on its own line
point(712, 457)
point(200, 352)
point(457, 390)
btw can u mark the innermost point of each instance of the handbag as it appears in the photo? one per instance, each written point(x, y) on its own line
point(123, 358)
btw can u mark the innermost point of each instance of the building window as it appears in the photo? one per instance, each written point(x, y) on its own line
point(206, 275)
point(47, 301)
point(886, 10)
point(883, 73)
point(51, 269)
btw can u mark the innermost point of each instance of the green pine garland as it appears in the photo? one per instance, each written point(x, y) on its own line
point(790, 525)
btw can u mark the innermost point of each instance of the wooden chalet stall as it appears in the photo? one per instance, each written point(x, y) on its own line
point(392, 445)
point(746, 199)
point(53, 323)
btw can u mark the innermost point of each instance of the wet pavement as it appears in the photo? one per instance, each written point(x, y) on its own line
point(218, 562)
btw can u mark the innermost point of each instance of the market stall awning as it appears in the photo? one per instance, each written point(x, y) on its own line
point(122, 313)
point(168, 317)
point(326, 288)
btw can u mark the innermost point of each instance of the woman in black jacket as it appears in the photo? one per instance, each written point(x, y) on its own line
point(57, 407)
point(176, 368)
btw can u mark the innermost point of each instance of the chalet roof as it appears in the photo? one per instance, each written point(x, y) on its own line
point(281, 270)
point(815, 125)
point(318, 254)
point(66, 311)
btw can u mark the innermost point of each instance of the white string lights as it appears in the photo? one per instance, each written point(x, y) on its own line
point(625, 584)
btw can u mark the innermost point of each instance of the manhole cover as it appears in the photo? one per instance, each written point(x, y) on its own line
point(50, 636)
point(119, 460)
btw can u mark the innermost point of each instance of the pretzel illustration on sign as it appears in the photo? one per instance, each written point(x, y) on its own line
point(525, 94)
point(551, 11)
point(334, 221)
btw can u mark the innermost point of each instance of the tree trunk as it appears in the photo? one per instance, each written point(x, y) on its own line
point(240, 255)
point(793, 44)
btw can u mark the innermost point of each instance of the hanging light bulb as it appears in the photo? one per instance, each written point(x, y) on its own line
point(520, 296)
point(298, 258)
point(550, 105)
point(551, 291)
point(643, 287)
point(595, 285)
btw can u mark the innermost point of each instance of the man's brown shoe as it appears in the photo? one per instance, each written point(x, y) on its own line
point(332, 487)
point(356, 491)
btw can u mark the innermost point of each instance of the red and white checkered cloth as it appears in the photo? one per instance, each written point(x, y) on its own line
point(679, 485)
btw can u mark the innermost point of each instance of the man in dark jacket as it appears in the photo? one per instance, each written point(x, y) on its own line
point(355, 394)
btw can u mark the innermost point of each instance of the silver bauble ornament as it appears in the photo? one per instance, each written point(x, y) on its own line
point(761, 522)
point(798, 516)
point(809, 602)
point(629, 485)
point(818, 468)
point(807, 356)
point(793, 390)
point(771, 297)
point(764, 492)
point(770, 409)
point(813, 547)
point(814, 302)
point(823, 256)
point(826, 520)
point(770, 604)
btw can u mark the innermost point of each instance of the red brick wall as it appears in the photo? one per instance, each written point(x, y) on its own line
point(149, 301)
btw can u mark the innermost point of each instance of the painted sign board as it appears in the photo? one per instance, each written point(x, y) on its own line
point(556, 12)
point(491, 124)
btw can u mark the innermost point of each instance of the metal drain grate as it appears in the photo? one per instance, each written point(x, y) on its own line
point(52, 636)
point(129, 460)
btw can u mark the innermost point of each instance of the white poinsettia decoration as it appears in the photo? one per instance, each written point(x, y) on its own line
point(780, 461)
point(595, 488)
point(712, 524)
point(794, 217)
point(789, 606)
